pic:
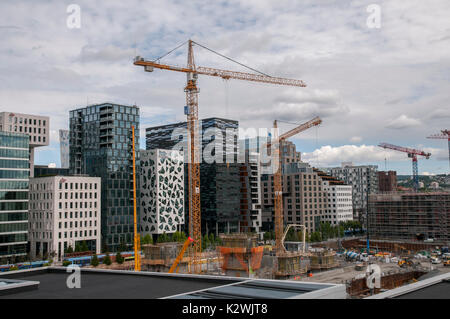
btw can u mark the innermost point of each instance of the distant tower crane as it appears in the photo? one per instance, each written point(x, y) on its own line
point(191, 110)
point(278, 187)
point(445, 135)
point(412, 153)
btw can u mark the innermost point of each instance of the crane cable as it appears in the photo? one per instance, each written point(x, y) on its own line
point(166, 54)
point(232, 60)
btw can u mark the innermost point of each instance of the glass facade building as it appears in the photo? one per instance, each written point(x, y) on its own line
point(14, 179)
point(101, 146)
point(219, 182)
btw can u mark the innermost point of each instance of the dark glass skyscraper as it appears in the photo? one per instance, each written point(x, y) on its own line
point(219, 182)
point(14, 178)
point(101, 146)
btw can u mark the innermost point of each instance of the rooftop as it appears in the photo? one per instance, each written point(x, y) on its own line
point(112, 284)
point(437, 287)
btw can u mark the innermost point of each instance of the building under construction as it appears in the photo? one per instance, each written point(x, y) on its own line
point(290, 265)
point(241, 256)
point(161, 256)
point(322, 259)
point(410, 216)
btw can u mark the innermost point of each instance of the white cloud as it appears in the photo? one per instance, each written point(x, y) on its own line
point(329, 155)
point(360, 81)
point(402, 122)
point(356, 139)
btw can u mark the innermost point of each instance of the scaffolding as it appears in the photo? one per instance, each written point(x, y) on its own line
point(410, 216)
point(240, 253)
point(161, 256)
point(290, 264)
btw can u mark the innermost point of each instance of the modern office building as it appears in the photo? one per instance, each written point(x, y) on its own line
point(387, 181)
point(36, 127)
point(250, 206)
point(64, 211)
point(410, 216)
point(64, 148)
point(162, 191)
point(101, 146)
point(364, 181)
point(219, 180)
point(304, 198)
point(14, 179)
point(340, 202)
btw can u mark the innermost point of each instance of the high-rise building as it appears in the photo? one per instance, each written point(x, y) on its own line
point(364, 181)
point(304, 197)
point(101, 146)
point(219, 181)
point(48, 170)
point(410, 216)
point(217, 135)
point(36, 127)
point(250, 206)
point(64, 211)
point(14, 179)
point(64, 148)
point(288, 153)
point(387, 181)
point(340, 204)
point(162, 191)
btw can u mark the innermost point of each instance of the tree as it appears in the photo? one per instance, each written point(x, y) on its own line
point(84, 246)
point(69, 250)
point(212, 239)
point(107, 260)
point(147, 240)
point(94, 261)
point(119, 258)
point(163, 238)
point(315, 236)
point(205, 242)
point(77, 247)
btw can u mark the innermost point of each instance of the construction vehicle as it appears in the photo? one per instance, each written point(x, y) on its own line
point(191, 110)
point(412, 153)
point(174, 266)
point(278, 187)
point(405, 262)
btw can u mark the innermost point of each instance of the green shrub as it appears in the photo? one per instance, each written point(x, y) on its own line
point(119, 258)
point(107, 260)
point(94, 261)
point(66, 263)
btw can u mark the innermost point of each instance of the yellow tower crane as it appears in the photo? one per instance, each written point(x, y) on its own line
point(278, 187)
point(191, 110)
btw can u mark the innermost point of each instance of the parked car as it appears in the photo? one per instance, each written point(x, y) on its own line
point(435, 261)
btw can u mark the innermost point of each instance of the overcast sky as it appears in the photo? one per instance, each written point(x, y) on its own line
point(369, 85)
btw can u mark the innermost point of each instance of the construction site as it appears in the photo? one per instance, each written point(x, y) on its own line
point(396, 216)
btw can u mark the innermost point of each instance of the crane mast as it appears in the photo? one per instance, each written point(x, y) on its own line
point(191, 90)
point(191, 110)
point(277, 179)
point(412, 153)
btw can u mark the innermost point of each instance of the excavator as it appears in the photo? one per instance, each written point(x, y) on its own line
point(405, 262)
